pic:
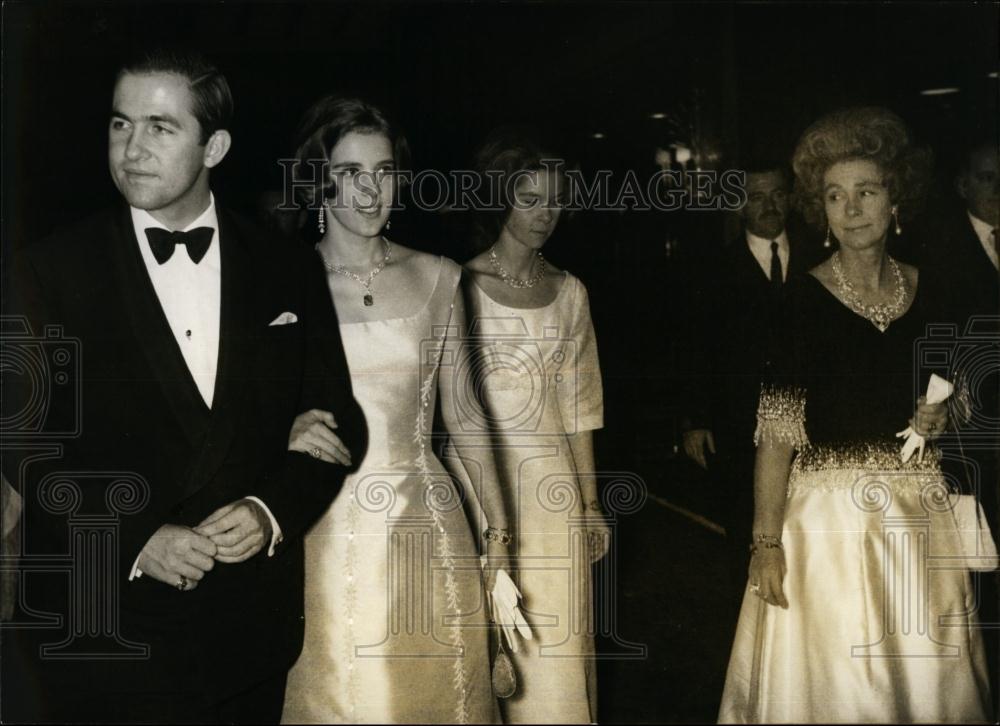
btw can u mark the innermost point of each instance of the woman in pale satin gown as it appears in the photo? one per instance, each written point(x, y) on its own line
point(395, 622)
point(853, 611)
point(540, 380)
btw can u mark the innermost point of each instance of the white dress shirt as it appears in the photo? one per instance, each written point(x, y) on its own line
point(190, 295)
point(761, 249)
point(984, 231)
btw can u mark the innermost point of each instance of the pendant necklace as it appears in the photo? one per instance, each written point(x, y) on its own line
point(517, 282)
point(368, 299)
point(880, 315)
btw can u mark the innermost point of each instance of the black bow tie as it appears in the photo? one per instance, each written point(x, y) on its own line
point(162, 242)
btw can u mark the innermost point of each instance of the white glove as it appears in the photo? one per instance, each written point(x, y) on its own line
point(506, 613)
point(914, 441)
point(938, 390)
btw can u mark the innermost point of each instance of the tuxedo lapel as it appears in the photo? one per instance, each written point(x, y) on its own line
point(236, 335)
point(152, 331)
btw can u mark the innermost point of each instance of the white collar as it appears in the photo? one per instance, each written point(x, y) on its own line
point(764, 244)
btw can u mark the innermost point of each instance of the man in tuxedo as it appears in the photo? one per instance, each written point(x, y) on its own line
point(724, 352)
point(199, 343)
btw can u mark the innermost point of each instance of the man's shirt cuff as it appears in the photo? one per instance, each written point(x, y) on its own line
point(276, 535)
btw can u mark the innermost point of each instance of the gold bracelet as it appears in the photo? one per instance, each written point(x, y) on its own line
point(500, 536)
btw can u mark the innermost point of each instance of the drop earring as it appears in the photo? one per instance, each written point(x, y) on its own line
point(895, 217)
point(827, 243)
point(322, 219)
point(388, 225)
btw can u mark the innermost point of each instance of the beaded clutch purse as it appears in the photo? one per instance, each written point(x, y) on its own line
point(503, 678)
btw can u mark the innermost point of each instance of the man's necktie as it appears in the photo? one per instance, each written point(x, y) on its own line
point(775, 268)
point(162, 242)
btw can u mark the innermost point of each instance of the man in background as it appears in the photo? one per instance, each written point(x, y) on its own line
point(725, 352)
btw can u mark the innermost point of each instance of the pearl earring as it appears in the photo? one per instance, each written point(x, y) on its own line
point(827, 242)
point(388, 225)
point(895, 217)
point(322, 219)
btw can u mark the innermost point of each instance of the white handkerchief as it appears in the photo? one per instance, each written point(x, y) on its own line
point(286, 318)
point(938, 390)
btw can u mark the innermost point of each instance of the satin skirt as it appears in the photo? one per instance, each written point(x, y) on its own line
point(881, 624)
point(395, 617)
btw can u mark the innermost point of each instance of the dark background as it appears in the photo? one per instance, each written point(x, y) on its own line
point(745, 79)
point(451, 71)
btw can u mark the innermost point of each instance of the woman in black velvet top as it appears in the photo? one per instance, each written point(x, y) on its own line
point(854, 611)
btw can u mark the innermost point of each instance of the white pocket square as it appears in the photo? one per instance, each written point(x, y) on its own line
point(285, 319)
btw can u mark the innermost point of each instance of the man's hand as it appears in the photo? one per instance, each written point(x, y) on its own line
point(175, 554)
point(239, 530)
point(695, 442)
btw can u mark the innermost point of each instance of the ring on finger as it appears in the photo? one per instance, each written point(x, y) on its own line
point(315, 452)
point(182, 584)
point(755, 588)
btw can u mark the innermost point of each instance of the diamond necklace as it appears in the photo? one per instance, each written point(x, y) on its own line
point(880, 315)
point(369, 300)
point(517, 282)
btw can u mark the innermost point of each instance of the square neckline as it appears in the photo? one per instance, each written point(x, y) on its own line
point(420, 310)
point(549, 304)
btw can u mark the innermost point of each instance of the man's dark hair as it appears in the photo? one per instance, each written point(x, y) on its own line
point(211, 98)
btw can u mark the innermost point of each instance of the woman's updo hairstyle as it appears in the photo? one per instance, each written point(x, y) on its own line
point(866, 133)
